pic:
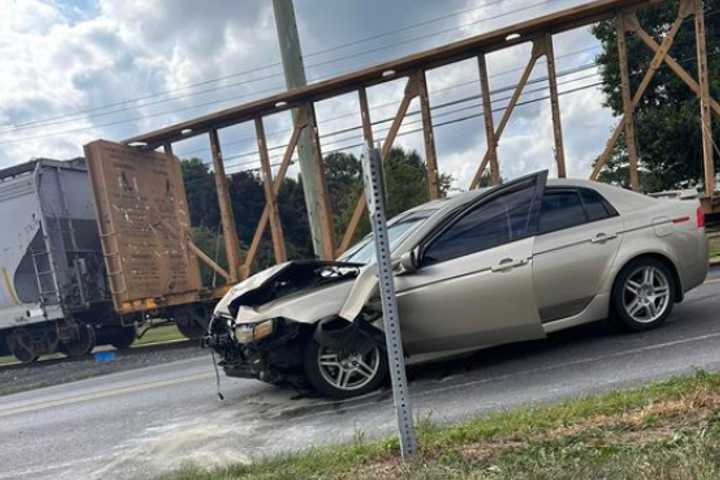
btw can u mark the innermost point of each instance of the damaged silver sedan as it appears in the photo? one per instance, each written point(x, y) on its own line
point(484, 268)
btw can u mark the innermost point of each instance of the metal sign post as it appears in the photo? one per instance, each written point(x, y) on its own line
point(374, 192)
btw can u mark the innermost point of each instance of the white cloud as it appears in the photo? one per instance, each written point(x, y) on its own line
point(62, 60)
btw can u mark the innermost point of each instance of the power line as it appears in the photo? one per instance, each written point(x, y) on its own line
point(406, 124)
point(81, 113)
point(191, 107)
point(522, 103)
point(417, 130)
point(434, 92)
point(413, 113)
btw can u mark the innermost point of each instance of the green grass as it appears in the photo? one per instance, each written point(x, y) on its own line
point(668, 430)
point(715, 246)
point(167, 333)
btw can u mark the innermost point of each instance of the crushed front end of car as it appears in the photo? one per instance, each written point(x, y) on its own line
point(260, 327)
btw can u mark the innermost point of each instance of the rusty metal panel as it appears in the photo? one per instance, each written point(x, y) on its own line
point(143, 221)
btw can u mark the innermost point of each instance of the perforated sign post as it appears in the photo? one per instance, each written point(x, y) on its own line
point(374, 192)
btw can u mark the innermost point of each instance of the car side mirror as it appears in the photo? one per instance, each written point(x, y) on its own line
point(408, 262)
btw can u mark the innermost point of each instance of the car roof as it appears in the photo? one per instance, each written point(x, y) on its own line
point(623, 200)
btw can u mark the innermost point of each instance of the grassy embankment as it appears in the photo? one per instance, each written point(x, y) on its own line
point(668, 430)
point(715, 247)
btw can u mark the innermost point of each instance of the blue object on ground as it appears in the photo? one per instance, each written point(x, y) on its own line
point(104, 356)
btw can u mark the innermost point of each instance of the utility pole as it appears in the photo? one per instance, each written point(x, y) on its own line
point(295, 78)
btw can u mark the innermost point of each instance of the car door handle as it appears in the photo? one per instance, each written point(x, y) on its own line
point(508, 264)
point(603, 237)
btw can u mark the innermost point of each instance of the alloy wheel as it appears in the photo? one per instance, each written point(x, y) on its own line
point(646, 294)
point(350, 372)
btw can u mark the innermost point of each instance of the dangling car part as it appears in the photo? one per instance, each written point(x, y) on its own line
point(484, 268)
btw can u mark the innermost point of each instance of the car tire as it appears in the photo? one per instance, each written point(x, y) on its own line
point(643, 295)
point(83, 344)
point(335, 376)
point(123, 337)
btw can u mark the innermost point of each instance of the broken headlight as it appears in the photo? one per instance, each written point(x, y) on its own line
point(254, 332)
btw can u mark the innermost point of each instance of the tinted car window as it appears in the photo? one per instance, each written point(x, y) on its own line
point(560, 210)
point(596, 206)
point(501, 220)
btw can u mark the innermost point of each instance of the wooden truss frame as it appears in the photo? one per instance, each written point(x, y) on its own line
point(539, 32)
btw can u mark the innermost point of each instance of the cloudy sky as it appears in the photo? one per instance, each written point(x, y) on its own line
point(78, 70)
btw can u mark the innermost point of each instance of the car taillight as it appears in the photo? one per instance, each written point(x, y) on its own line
point(700, 218)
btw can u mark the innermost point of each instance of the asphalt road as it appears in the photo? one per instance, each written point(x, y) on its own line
point(140, 423)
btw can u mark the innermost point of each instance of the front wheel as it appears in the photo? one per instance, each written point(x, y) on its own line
point(642, 296)
point(339, 375)
point(82, 344)
point(123, 337)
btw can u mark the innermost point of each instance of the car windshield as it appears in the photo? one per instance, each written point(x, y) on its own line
point(364, 250)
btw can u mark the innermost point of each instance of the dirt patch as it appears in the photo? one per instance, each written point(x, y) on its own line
point(18, 378)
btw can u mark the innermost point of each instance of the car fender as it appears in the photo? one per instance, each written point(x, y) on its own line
point(635, 244)
point(363, 289)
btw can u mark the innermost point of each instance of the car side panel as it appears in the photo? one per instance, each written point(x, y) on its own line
point(650, 231)
point(467, 302)
point(569, 267)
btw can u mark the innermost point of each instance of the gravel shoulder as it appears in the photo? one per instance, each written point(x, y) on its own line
point(18, 378)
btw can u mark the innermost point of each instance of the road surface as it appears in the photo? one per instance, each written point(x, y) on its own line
point(140, 423)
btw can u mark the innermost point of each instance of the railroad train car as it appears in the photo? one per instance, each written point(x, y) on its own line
point(53, 289)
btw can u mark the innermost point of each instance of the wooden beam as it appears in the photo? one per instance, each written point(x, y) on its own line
point(555, 107)
point(411, 91)
point(655, 63)
point(369, 140)
point(279, 178)
point(365, 116)
point(433, 179)
point(276, 230)
point(489, 121)
point(705, 114)
point(537, 52)
point(605, 155)
point(634, 25)
point(323, 207)
point(232, 243)
point(208, 261)
point(628, 105)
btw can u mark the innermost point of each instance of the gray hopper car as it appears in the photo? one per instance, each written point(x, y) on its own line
point(53, 289)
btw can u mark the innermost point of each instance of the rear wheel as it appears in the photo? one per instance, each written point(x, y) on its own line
point(187, 323)
point(341, 375)
point(81, 344)
point(123, 338)
point(21, 345)
point(642, 296)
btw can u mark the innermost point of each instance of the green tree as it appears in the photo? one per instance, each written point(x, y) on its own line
point(201, 194)
point(405, 180)
point(667, 118)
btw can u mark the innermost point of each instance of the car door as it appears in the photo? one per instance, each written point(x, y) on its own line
point(474, 285)
point(577, 242)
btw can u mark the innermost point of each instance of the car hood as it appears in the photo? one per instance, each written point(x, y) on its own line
point(303, 291)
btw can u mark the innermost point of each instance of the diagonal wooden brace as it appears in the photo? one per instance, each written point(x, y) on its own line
point(658, 58)
point(276, 230)
point(411, 91)
point(300, 124)
point(537, 52)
